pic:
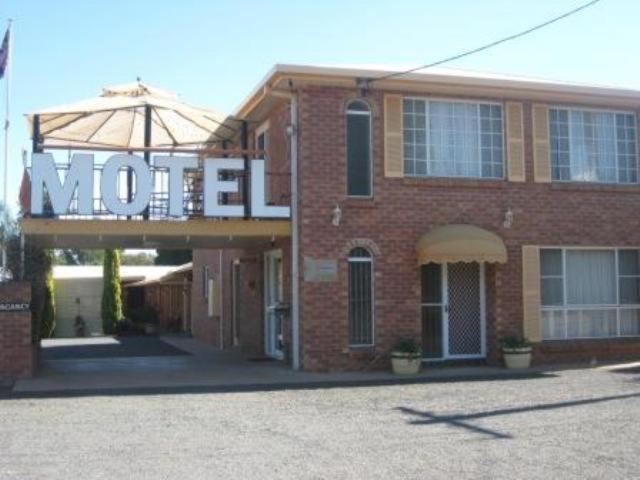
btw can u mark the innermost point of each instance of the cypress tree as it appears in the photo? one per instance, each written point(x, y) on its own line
point(111, 300)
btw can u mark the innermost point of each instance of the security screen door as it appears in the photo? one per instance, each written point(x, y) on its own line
point(453, 324)
point(272, 297)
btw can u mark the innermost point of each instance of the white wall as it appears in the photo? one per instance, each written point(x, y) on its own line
point(78, 296)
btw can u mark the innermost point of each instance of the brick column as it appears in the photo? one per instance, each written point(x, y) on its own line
point(17, 352)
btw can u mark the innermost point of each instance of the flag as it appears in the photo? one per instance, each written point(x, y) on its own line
point(4, 54)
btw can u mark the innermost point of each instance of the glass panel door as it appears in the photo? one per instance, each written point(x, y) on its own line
point(464, 315)
point(452, 310)
point(273, 297)
point(432, 310)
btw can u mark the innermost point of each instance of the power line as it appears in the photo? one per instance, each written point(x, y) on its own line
point(489, 45)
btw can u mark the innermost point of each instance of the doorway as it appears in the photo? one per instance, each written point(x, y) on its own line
point(273, 295)
point(453, 311)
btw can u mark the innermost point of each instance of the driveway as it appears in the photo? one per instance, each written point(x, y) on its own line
point(570, 424)
point(106, 347)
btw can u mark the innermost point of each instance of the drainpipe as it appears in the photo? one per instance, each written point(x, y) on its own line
point(295, 242)
point(221, 333)
point(295, 246)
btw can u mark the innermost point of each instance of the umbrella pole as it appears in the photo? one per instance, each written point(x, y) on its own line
point(147, 144)
point(244, 144)
point(129, 185)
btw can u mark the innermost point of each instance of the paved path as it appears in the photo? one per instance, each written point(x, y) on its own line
point(574, 424)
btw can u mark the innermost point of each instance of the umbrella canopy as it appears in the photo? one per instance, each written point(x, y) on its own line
point(117, 117)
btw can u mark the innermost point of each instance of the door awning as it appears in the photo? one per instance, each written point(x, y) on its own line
point(460, 243)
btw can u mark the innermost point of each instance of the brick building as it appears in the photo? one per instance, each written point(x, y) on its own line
point(453, 208)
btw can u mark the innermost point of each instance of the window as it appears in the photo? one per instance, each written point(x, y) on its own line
point(360, 297)
point(593, 146)
point(358, 149)
point(205, 282)
point(262, 143)
point(453, 139)
point(589, 293)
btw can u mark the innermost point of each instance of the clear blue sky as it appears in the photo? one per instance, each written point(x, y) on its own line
point(214, 52)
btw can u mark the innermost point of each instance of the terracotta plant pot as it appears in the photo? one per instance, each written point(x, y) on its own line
point(405, 363)
point(517, 358)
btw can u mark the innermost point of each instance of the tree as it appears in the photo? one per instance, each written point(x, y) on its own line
point(140, 258)
point(74, 256)
point(173, 257)
point(111, 308)
point(48, 321)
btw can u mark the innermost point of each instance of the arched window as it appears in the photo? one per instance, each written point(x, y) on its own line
point(360, 297)
point(359, 171)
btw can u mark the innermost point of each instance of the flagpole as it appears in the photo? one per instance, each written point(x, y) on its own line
point(6, 140)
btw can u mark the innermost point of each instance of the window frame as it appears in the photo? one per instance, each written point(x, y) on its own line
point(565, 307)
point(368, 113)
point(370, 261)
point(205, 281)
point(263, 130)
point(476, 102)
point(614, 112)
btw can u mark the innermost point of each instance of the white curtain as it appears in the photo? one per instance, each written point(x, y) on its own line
point(453, 132)
point(591, 277)
point(593, 146)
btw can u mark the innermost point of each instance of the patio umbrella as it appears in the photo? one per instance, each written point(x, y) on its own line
point(116, 118)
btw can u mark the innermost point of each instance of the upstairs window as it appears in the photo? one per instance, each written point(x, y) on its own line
point(359, 169)
point(593, 146)
point(453, 139)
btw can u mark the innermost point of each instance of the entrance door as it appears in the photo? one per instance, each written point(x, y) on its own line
point(272, 297)
point(453, 310)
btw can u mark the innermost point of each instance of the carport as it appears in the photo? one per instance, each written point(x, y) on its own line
point(135, 125)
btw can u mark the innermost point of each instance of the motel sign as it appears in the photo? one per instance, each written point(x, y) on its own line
point(80, 178)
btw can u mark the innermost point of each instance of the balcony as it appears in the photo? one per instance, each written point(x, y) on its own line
point(177, 213)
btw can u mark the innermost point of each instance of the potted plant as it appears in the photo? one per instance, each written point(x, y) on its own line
point(516, 352)
point(406, 357)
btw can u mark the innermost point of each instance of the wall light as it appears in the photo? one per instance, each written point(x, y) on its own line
point(508, 219)
point(336, 216)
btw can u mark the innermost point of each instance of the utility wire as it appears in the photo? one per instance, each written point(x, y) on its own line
point(489, 45)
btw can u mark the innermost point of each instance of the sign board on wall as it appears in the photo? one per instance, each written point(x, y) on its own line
point(320, 270)
point(79, 183)
point(9, 307)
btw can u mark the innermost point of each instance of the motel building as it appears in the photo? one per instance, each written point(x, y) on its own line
point(339, 210)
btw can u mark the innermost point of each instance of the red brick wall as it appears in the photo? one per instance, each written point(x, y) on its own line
point(17, 352)
point(404, 209)
point(250, 314)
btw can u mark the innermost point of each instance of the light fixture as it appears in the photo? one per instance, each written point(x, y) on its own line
point(336, 216)
point(508, 219)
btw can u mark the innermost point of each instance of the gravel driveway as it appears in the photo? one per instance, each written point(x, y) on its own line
point(574, 424)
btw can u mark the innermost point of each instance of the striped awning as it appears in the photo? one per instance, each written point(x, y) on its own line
point(460, 243)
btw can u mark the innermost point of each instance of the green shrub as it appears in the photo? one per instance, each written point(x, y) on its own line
point(111, 308)
point(408, 346)
point(144, 314)
point(515, 342)
point(48, 322)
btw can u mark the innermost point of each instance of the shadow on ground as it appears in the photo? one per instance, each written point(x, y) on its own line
point(462, 420)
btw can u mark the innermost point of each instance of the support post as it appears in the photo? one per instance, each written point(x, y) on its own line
point(129, 185)
point(147, 144)
point(225, 175)
point(35, 135)
point(244, 144)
